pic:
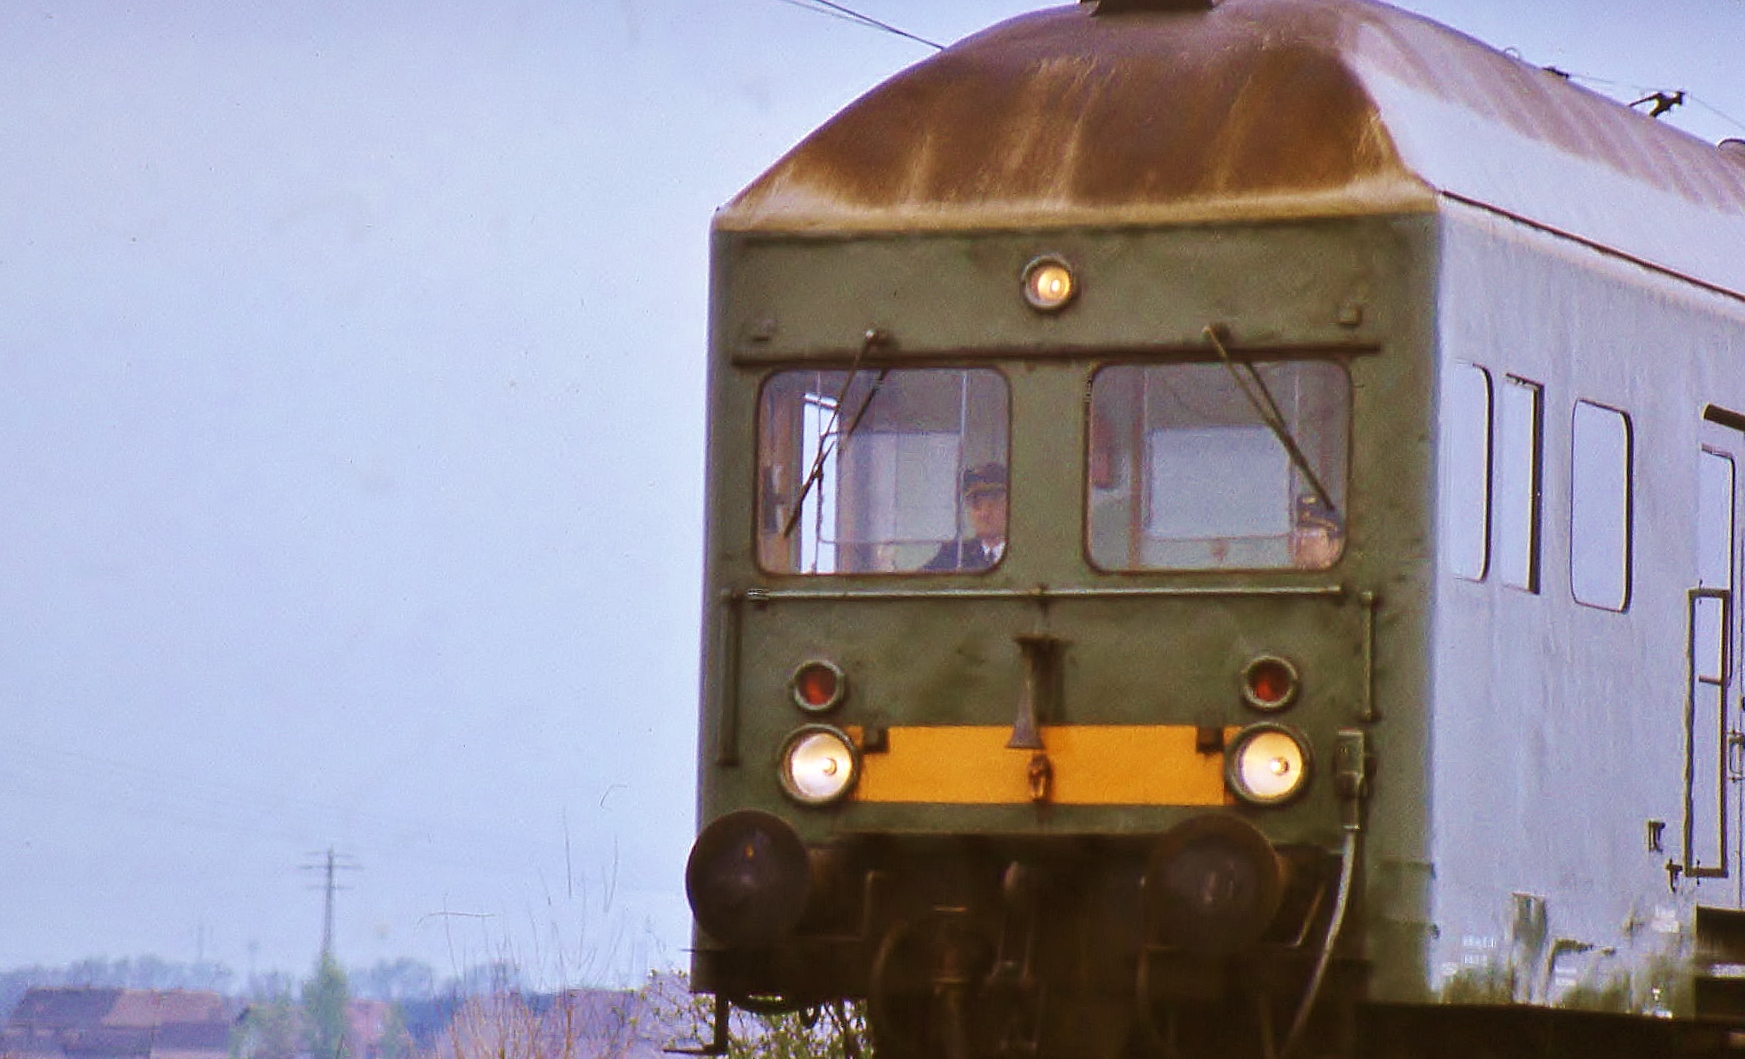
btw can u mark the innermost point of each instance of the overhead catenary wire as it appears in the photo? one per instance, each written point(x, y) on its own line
point(807, 5)
point(1664, 100)
point(1644, 93)
point(849, 14)
point(1723, 115)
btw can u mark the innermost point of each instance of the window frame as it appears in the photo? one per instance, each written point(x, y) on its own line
point(1628, 543)
point(1486, 432)
point(761, 508)
point(1345, 437)
point(1503, 544)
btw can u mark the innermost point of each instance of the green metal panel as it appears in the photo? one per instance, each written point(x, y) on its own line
point(1357, 290)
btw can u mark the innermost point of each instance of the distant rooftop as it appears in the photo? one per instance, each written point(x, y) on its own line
point(72, 1023)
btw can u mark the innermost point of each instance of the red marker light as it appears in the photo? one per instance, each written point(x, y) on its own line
point(1269, 683)
point(817, 685)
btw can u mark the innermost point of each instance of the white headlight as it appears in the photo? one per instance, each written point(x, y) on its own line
point(1268, 764)
point(818, 765)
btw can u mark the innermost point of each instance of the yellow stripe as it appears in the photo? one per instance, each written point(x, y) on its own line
point(1093, 765)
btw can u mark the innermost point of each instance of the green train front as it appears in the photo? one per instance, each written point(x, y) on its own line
point(1066, 539)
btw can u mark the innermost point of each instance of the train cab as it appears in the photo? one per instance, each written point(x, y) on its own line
point(1105, 638)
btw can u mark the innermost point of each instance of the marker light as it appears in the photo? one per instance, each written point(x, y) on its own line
point(818, 685)
point(1049, 284)
point(818, 765)
point(1268, 765)
point(1269, 682)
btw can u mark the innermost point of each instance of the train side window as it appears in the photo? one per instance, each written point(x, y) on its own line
point(1189, 468)
point(1466, 498)
point(1599, 506)
point(1519, 482)
point(882, 471)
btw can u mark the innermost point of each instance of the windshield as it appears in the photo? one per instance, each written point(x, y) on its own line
point(1185, 472)
point(882, 471)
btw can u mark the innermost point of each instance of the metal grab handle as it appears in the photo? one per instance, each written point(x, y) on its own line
point(727, 646)
point(1041, 687)
point(1692, 867)
point(1725, 597)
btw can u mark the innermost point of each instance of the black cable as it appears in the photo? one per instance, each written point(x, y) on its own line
point(807, 5)
point(1646, 93)
point(843, 11)
point(1728, 118)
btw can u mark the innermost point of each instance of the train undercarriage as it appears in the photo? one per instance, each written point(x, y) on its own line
point(1095, 946)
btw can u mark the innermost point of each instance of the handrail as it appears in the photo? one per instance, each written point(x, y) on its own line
point(1039, 593)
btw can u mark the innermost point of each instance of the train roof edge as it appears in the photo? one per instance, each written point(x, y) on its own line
point(1255, 109)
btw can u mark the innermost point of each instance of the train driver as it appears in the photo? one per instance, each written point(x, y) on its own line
point(1316, 535)
point(984, 496)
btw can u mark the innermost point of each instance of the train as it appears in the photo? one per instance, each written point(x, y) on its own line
point(1224, 537)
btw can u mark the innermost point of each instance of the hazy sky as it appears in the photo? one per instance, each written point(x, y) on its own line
point(351, 363)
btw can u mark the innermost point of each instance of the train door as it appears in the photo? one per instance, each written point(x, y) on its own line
point(1715, 745)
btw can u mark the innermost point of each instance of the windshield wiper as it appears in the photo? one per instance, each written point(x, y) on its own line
point(1260, 399)
point(826, 447)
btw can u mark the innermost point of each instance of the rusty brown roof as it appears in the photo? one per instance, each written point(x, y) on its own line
point(54, 1009)
point(76, 1023)
point(156, 1008)
point(1255, 108)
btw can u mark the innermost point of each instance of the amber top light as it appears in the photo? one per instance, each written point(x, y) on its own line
point(1049, 284)
point(1269, 683)
point(818, 685)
